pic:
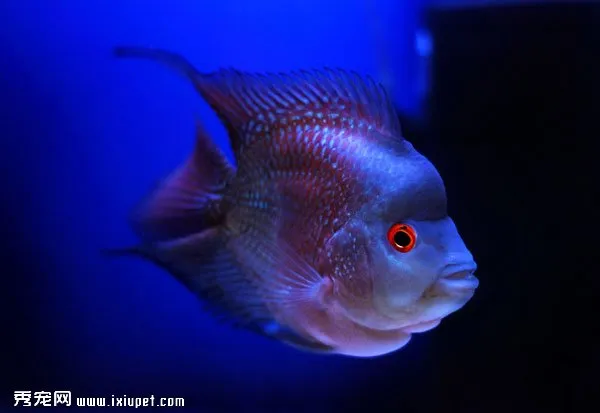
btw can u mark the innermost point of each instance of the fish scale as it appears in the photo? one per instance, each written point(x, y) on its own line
point(327, 195)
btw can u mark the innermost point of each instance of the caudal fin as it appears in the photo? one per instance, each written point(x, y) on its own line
point(187, 202)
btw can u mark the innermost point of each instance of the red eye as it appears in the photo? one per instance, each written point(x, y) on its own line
point(402, 237)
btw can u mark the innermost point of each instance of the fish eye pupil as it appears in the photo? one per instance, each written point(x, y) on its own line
point(402, 238)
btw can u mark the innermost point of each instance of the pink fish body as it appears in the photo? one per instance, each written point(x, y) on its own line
point(331, 231)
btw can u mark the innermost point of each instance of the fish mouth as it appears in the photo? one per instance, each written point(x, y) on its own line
point(458, 278)
point(456, 282)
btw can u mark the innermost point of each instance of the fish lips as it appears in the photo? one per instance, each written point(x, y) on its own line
point(458, 279)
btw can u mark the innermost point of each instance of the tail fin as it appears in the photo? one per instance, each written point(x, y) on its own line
point(187, 201)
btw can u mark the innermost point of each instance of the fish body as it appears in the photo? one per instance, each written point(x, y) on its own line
point(330, 232)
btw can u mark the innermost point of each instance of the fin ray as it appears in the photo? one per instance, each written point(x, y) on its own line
point(185, 202)
point(238, 97)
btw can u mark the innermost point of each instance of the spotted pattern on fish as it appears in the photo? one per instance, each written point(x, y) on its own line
point(315, 168)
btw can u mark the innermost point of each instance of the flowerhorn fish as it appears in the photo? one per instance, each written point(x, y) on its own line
point(330, 233)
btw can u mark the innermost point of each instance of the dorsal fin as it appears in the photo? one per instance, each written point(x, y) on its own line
point(242, 97)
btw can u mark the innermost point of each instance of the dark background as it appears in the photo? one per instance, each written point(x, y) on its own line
point(512, 123)
point(515, 113)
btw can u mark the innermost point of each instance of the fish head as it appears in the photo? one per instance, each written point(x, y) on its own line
point(400, 262)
